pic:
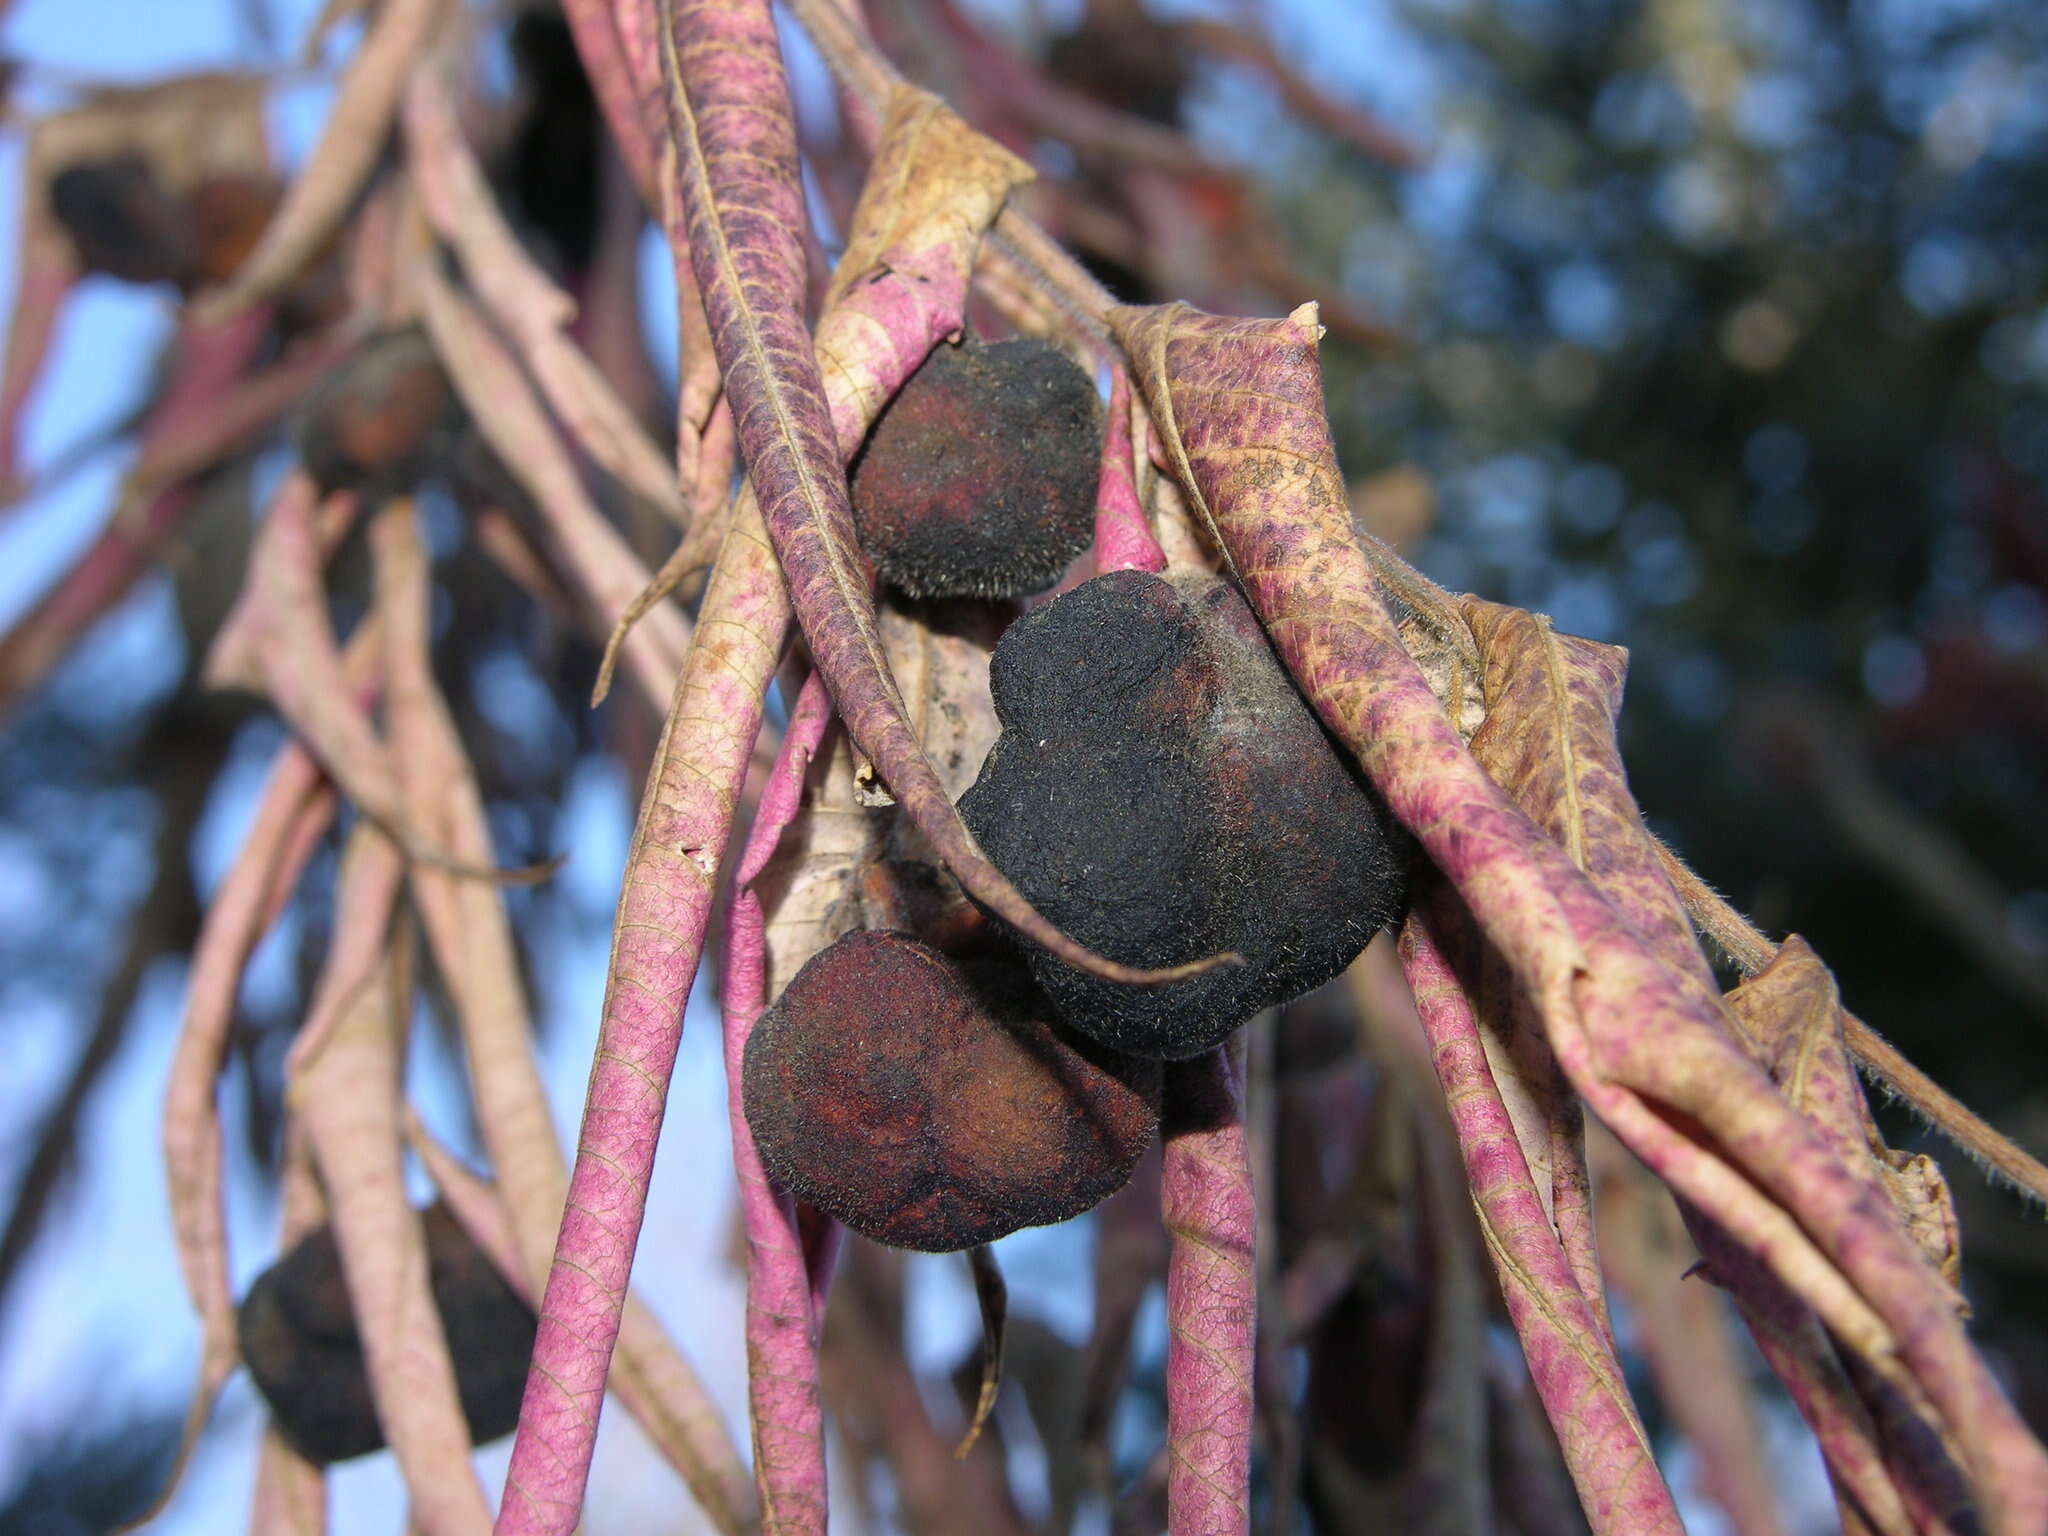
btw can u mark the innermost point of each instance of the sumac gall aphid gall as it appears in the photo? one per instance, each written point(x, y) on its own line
point(931, 1104)
point(1161, 792)
point(979, 478)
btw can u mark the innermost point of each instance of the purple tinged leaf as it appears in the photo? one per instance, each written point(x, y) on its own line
point(782, 1324)
point(875, 339)
point(1570, 1356)
point(1649, 1053)
point(343, 1082)
point(730, 112)
point(1211, 1306)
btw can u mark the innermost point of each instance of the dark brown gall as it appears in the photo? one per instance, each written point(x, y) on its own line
point(979, 479)
point(381, 420)
point(299, 1339)
point(1161, 792)
point(931, 1104)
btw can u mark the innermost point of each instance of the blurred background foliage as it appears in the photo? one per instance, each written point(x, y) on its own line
point(1714, 328)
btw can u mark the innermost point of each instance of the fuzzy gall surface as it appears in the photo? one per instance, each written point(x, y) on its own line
point(979, 478)
point(298, 1335)
point(122, 220)
point(379, 421)
point(929, 1104)
point(1162, 793)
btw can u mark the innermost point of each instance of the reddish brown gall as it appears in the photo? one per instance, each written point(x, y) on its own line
point(931, 1104)
point(979, 478)
point(381, 420)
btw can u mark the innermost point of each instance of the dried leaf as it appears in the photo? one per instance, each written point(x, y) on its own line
point(1636, 1038)
point(1560, 696)
point(294, 808)
point(664, 906)
point(470, 932)
point(1569, 1351)
point(1681, 1329)
point(319, 199)
point(345, 1093)
point(1206, 1200)
point(1791, 1015)
point(525, 301)
point(730, 113)
point(513, 423)
point(782, 1324)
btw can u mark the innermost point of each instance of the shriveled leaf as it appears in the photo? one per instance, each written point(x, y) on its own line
point(664, 905)
point(1637, 1036)
point(1558, 697)
point(1211, 1289)
point(470, 933)
point(1681, 1329)
point(512, 421)
point(782, 1324)
point(345, 1093)
point(525, 301)
point(733, 126)
point(1570, 1353)
point(295, 807)
point(1791, 1014)
point(350, 143)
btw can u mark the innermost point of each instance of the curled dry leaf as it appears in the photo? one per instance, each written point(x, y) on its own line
point(1747, 947)
point(1206, 1199)
point(782, 1324)
point(512, 421)
point(278, 641)
point(1570, 1352)
point(470, 934)
point(294, 809)
point(345, 1093)
point(350, 143)
point(701, 382)
point(1564, 766)
point(525, 301)
point(730, 113)
point(678, 844)
point(1681, 1330)
point(1642, 1041)
point(1791, 1015)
